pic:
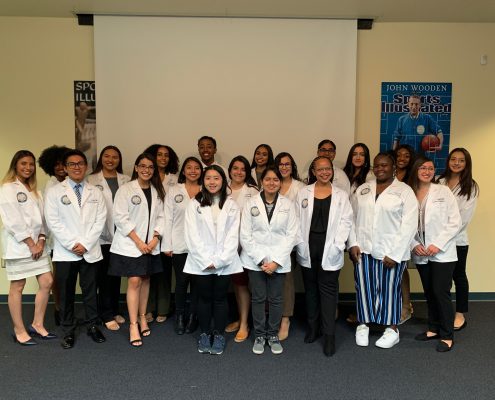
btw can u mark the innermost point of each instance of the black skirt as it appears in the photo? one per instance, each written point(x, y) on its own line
point(144, 265)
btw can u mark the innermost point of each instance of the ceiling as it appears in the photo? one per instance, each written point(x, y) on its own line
point(379, 10)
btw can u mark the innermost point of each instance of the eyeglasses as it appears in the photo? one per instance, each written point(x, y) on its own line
point(285, 165)
point(324, 169)
point(73, 165)
point(325, 150)
point(426, 169)
point(144, 167)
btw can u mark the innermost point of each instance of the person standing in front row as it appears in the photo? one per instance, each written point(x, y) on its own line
point(269, 230)
point(327, 148)
point(326, 219)
point(76, 214)
point(385, 221)
point(212, 238)
point(434, 250)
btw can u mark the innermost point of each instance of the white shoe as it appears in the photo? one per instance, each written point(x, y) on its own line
point(389, 339)
point(362, 333)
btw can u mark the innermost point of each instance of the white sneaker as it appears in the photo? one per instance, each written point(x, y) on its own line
point(389, 339)
point(362, 333)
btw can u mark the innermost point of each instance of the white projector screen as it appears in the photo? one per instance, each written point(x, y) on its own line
point(286, 82)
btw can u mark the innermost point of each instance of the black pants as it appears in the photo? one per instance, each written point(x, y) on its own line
point(212, 301)
point(67, 272)
point(321, 287)
point(437, 281)
point(108, 287)
point(182, 281)
point(266, 287)
point(461, 280)
point(160, 284)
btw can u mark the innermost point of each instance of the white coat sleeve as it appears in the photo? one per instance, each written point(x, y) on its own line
point(451, 228)
point(55, 224)
point(408, 227)
point(168, 223)
point(121, 213)
point(197, 248)
point(246, 237)
point(231, 240)
point(160, 220)
point(345, 225)
point(92, 236)
point(467, 208)
point(12, 218)
point(352, 240)
point(281, 251)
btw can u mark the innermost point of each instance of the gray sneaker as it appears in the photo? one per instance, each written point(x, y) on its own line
point(275, 345)
point(259, 345)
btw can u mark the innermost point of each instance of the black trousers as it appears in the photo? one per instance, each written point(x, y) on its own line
point(67, 272)
point(437, 281)
point(461, 281)
point(108, 287)
point(212, 301)
point(160, 286)
point(182, 281)
point(321, 288)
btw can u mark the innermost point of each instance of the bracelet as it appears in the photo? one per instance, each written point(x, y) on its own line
point(42, 238)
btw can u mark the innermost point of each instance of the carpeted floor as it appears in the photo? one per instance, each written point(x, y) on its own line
point(168, 366)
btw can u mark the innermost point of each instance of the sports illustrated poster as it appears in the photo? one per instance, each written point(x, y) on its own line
point(417, 114)
point(85, 117)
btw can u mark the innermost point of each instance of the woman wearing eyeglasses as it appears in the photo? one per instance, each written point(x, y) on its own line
point(138, 217)
point(327, 148)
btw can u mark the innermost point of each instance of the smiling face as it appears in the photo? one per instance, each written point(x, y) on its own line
point(145, 169)
point(207, 150)
point(426, 172)
point(285, 167)
point(261, 156)
point(25, 168)
point(192, 171)
point(457, 162)
point(59, 171)
point(414, 105)
point(110, 160)
point(76, 167)
point(238, 173)
point(358, 157)
point(213, 181)
point(327, 150)
point(162, 157)
point(383, 168)
point(271, 183)
point(403, 158)
point(323, 170)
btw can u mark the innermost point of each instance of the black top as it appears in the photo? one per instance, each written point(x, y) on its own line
point(321, 211)
point(269, 207)
point(147, 194)
point(113, 184)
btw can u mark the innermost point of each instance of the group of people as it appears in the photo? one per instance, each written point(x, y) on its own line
point(248, 225)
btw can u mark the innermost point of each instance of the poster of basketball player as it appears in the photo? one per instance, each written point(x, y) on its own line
point(85, 120)
point(417, 114)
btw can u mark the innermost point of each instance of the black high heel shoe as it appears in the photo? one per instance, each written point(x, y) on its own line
point(34, 332)
point(30, 342)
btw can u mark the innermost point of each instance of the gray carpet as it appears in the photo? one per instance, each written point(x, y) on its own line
point(168, 366)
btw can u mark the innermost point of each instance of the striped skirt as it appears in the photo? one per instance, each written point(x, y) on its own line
point(378, 291)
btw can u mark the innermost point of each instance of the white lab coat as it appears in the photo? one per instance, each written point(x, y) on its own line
point(264, 241)
point(341, 180)
point(466, 208)
point(130, 213)
point(22, 217)
point(176, 202)
point(338, 229)
point(208, 245)
point(169, 180)
point(384, 227)
point(100, 182)
point(442, 223)
point(294, 189)
point(71, 224)
point(245, 193)
point(53, 181)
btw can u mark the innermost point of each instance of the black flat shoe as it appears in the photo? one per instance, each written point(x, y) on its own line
point(34, 332)
point(460, 328)
point(30, 342)
point(312, 335)
point(96, 334)
point(179, 326)
point(192, 324)
point(68, 341)
point(443, 347)
point(423, 337)
point(329, 345)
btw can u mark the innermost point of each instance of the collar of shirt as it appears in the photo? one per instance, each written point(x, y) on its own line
point(73, 184)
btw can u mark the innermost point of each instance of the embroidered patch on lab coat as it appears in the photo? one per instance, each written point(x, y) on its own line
point(304, 203)
point(21, 197)
point(255, 211)
point(179, 198)
point(65, 200)
point(365, 191)
point(136, 200)
point(99, 187)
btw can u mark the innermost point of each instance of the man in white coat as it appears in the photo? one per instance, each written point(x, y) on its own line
point(75, 213)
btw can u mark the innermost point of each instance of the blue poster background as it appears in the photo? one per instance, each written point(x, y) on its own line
point(436, 101)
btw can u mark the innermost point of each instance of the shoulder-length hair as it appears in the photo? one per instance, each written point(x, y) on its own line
point(173, 160)
point(204, 197)
point(50, 157)
point(294, 174)
point(413, 178)
point(155, 179)
point(249, 178)
point(11, 174)
point(468, 186)
point(99, 164)
point(350, 169)
point(182, 176)
point(412, 158)
point(270, 154)
point(311, 175)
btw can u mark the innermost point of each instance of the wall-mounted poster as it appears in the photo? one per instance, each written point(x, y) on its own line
point(417, 114)
point(85, 117)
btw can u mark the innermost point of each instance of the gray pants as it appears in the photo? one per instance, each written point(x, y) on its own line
point(266, 287)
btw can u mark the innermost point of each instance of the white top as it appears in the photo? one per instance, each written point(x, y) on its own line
point(442, 224)
point(210, 245)
point(22, 217)
point(101, 183)
point(338, 229)
point(466, 208)
point(242, 195)
point(169, 180)
point(264, 241)
point(71, 224)
point(130, 212)
point(294, 189)
point(387, 225)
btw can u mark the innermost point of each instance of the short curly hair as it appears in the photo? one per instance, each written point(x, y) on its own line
point(50, 157)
